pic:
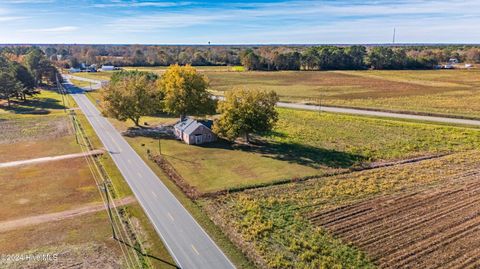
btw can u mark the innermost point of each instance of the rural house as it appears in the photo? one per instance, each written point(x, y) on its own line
point(195, 132)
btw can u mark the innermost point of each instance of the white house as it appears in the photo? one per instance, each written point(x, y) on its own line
point(108, 68)
point(195, 132)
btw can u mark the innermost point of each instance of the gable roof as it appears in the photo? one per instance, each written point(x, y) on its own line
point(196, 124)
point(182, 125)
point(192, 127)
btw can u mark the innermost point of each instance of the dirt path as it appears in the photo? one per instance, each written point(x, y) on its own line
point(50, 159)
point(35, 220)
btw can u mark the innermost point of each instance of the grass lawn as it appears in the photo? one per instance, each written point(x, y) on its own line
point(271, 223)
point(46, 103)
point(95, 75)
point(306, 143)
point(81, 83)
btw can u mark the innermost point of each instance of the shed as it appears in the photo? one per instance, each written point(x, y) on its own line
point(74, 70)
point(108, 68)
point(194, 132)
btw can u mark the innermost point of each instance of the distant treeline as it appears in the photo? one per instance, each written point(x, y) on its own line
point(269, 58)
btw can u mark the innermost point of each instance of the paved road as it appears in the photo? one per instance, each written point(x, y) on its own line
point(364, 112)
point(96, 84)
point(186, 241)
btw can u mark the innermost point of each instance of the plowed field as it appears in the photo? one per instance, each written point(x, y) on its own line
point(433, 228)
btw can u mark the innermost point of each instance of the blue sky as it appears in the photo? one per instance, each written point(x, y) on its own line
point(238, 22)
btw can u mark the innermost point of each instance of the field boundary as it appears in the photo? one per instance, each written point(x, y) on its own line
point(9, 225)
point(407, 112)
point(320, 176)
point(194, 193)
point(51, 158)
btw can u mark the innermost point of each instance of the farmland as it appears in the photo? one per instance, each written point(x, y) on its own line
point(420, 91)
point(320, 212)
point(324, 189)
point(42, 198)
point(304, 144)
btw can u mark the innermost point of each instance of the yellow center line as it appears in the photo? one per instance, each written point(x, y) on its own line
point(194, 249)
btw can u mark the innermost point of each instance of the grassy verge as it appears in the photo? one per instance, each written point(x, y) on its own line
point(158, 254)
point(81, 83)
point(235, 255)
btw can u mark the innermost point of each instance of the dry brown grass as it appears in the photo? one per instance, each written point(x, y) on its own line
point(70, 231)
point(45, 188)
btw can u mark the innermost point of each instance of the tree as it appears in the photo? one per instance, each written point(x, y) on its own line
point(185, 92)
point(33, 61)
point(246, 111)
point(473, 55)
point(9, 86)
point(357, 56)
point(250, 60)
point(26, 79)
point(130, 98)
point(380, 58)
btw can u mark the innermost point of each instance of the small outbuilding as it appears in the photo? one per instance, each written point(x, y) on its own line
point(195, 132)
point(108, 68)
point(74, 70)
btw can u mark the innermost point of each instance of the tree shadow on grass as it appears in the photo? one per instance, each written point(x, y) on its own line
point(34, 106)
point(295, 153)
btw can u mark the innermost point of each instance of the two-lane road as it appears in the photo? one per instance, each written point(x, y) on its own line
point(187, 242)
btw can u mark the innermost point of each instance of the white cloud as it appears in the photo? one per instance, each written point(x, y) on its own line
point(62, 29)
point(162, 21)
point(10, 18)
point(29, 1)
point(140, 4)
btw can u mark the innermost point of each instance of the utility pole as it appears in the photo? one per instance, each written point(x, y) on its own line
point(394, 32)
point(160, 146)
point(105, 189)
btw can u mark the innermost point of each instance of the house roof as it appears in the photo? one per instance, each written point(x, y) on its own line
point(182, 125)
point(192, 127)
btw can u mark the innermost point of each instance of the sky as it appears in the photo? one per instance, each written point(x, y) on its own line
point(239, 22)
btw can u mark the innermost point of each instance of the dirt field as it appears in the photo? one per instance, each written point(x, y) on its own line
point(434, 228)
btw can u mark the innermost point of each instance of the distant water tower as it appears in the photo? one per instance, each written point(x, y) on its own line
point(208, 42)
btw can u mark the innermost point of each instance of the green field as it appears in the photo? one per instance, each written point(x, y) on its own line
point(271, 223)
point(95, 75)
point(305, 143)
point(450, 92)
